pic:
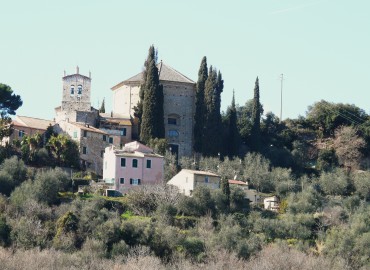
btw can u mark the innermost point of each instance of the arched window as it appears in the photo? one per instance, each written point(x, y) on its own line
point(79, 90)
point(173, 133)
point(72, 90)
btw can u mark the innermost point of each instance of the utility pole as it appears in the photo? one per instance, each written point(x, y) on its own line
point(281, 96)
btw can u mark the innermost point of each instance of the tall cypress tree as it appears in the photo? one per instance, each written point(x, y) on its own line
point(152, 125)
point(256, 118)
point(138, 109)
point(207, 138)
point(102, 107)
point(213, 125)
point(199, 116)
point(233, 139)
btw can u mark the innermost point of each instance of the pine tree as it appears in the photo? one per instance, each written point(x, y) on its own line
point(152, 125)
point(199, 117)
point(102, 107)
point(233, 137)
point(256, 118)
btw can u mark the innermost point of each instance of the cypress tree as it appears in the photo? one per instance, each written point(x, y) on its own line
point(208, 147)
point(152, 125)
point(225, 188)
point(233, 138)
point(213, 126)
point(199, 116)
point(102, 107)
point(138, 109)
point(256, 118)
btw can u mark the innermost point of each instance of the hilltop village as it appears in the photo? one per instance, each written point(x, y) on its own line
point(168, 181)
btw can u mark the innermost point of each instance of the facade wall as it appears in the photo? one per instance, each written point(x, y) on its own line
point(187, 181)
point(76, 101)
point(179, 103)
point(212, 182)
point(147, 176)
point(93, 143)
point(184, 181)
point(26, 131)
point(125, 98)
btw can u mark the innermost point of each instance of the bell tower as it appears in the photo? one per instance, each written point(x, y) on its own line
point(76, 92)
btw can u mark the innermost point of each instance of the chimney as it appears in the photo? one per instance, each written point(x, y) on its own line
point(64, 73)
point(90, 74)
point(77, 70)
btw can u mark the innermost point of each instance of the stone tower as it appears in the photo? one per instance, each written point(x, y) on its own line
point(76, 92)
point(76, 104)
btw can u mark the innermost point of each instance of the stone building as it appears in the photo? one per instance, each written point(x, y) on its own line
point(25, 125)
point(93, 132)
point(76, 103)
point(179, 105)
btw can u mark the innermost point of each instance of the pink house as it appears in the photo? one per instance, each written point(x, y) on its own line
point(135, 164)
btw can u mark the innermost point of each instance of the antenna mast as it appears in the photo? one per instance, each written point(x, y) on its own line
point(281, 96)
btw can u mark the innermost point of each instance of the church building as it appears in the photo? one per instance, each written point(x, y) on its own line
point(179, 105)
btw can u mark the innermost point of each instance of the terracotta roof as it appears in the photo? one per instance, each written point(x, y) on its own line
point(89, 128)
point(121, 122)
point(32, 122)
point(166, 73)
point(200, 172)
point(237, 182)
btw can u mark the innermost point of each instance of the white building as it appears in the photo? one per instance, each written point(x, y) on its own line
point(187, 180)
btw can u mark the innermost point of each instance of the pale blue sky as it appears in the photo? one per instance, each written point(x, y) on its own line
point(322, 47)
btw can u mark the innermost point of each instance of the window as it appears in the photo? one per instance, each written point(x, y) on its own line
point(84, 150)
point(102, 153)
point(134, 181)
point(75, 134)
point(79, 90)
point(85, 133)
point(148, 163)
point(123, 132)
point(134, 163)
point(173, 133)
point(72, 90)
point(122, 181)
point(206, 179)
point(21, 133)
point(110, 139)
point(123, 162)
point(105, 138)
point(172, 121)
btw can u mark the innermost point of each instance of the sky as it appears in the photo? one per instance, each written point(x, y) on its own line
point(321, 47)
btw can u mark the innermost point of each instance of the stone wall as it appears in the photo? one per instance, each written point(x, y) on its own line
point(179, 102)
point(75, 101)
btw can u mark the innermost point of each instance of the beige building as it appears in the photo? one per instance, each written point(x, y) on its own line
point(24, 125)
point(179, 105)
point(117, 127)
point(187, 180)
point(271, 203)
point(91, 141)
